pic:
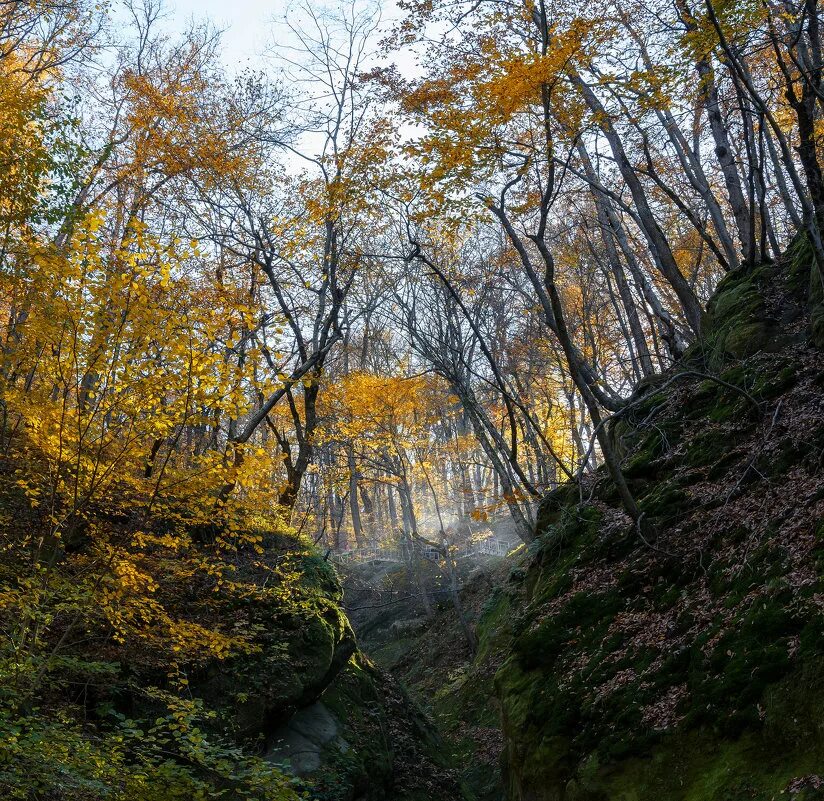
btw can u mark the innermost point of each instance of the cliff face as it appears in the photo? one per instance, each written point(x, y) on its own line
point(686, 664)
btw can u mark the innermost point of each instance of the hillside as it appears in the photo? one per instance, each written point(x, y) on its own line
point(687, 662)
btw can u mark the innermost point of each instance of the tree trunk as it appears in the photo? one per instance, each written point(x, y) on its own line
point(354, 507)
point(655, 236)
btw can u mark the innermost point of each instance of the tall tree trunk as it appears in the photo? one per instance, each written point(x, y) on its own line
point(708, 88)
point(638, 337)
point(354, 507)
point(655, 236)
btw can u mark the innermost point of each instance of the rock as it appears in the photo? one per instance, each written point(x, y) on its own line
point(300, 743)
point(745, 339)
point(685, 666)
point(553, 504)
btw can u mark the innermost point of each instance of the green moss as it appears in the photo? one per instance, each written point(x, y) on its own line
point(554, 504)
point(642, 461)
point(536, 758)
point(494, 622)
point(774, 379)
point(702, 450)
point(737, 296)
point(574, 538)
point(736, 324)
point(583, 618)
point(799, 258)
point(746, 338)
point(701, 766)
point(666, 500)
point(319, 575)
point(388, 654)
point(695, 766)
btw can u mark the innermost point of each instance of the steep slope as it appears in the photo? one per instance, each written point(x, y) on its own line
point(686, 664)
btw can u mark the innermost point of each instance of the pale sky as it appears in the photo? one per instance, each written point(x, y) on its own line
point(249, 26)
point(246, 24)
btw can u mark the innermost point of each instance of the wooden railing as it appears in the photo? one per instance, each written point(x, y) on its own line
point(375, 553)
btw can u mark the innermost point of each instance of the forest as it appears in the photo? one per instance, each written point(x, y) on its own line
point(429, 407)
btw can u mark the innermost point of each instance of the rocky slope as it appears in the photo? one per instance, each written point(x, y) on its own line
point(691, 665)
point(686, 664)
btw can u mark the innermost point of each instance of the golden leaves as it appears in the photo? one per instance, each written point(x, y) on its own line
point(378, 408)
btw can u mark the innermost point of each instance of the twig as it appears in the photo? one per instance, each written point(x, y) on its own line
point(393, 602)
point(647, 542)
point(758, 452)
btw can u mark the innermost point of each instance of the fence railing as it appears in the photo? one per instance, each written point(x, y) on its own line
point(375, 553)
point(369, 554)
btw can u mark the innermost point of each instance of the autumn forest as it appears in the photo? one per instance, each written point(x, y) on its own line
point(428, 408)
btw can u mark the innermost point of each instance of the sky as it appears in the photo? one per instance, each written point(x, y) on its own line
point(250, 28)
point(247, 25)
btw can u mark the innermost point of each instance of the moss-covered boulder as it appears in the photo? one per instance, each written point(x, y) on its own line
point(300, 641)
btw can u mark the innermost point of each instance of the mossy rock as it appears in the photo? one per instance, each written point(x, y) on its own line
point(553, 504)
point(686, 668)
point(736, 324)
point(704, 449)
point(536, 763)
point(781, 759)
point(493, 626)
point(298, 650)
point(641, 462)
point(746, 338)
point(774, 379)
point(799, 257)
point(740, 299)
